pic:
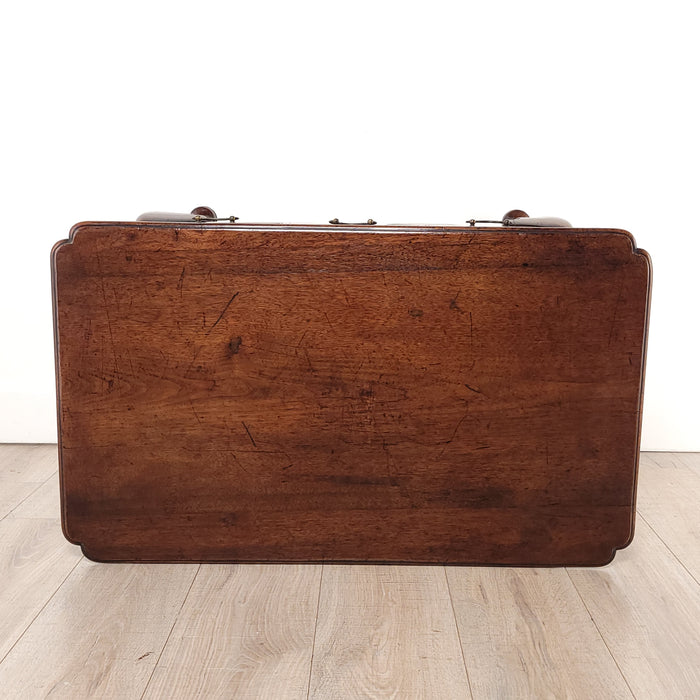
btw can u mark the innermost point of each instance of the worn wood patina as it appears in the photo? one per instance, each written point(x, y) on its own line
point(235, 392)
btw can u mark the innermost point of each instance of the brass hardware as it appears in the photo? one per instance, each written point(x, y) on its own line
point(474, 222)
point(336, 222)
point(517, 217)
point(208, 214)
point(204, 211)
point(230, 219)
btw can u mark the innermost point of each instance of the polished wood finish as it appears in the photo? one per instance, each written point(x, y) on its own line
point(321, 393)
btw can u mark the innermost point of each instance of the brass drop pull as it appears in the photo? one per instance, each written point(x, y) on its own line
point(336, 222)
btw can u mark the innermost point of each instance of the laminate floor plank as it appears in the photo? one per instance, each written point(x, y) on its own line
point(101, 633)
point(386, 632)
point(526, 634)
point(668, 498)
point(43, 502)
point(647, 608)
point(35, 559)
point(13, 493)
point(29, 463)
point(23, 470)
point(690, 459)
point(246, 631)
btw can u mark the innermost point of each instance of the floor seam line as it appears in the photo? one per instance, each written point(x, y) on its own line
point(41, 610)
point(459, 636)
point(675, 556)
point(29, 495)
point(170, 633)
point(600, 634)
point(313, 644)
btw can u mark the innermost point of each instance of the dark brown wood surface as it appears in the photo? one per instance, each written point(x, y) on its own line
point(316, 393)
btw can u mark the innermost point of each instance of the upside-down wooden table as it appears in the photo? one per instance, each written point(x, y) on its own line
point(256, 392)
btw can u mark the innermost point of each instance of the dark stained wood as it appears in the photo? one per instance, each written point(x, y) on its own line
point(320, 393)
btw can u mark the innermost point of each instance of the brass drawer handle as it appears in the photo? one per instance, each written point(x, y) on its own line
point(336, 222)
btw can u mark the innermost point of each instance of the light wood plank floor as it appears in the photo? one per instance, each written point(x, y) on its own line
point(70, 628)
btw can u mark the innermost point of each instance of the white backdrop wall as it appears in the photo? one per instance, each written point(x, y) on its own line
point(302, 111)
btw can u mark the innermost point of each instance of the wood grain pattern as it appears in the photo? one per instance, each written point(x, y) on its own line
point(34, 561)
point(647, 610)
point(244, 632)
point(526, 634)
point(100, 635)
point(669, 501)
point(313, 394)
point(386, 632)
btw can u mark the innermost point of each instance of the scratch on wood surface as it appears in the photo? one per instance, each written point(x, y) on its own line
point(109, 320)
point(614, 315)
point(249, 435)
point(308, 359)
point(460, 254)
point(475, 389)
point(239, 463)
point(303, 335)
point(389, 471)
point(221, 315)
point(179, 282)
point(195, 413)
point(454, 432)
point(453, 303)
point(165, 364)
point(131, 364)
point(194, 359)
point(357, 371)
